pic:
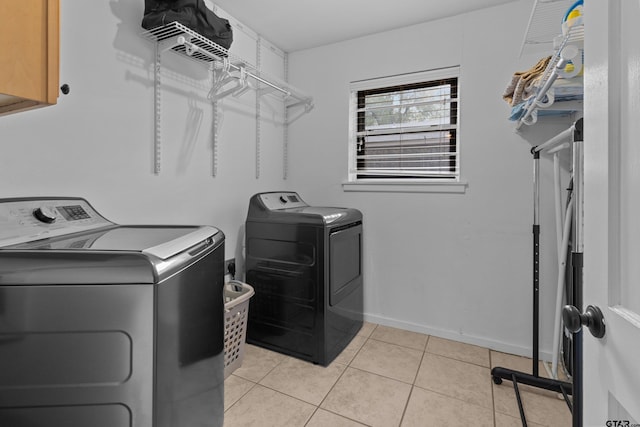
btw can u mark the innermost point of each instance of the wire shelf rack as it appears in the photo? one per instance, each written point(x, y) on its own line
point(232, 76)
point(544, 25)
point(544, 96)
point(181, 39)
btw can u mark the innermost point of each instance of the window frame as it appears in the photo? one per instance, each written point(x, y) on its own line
point(405, 184)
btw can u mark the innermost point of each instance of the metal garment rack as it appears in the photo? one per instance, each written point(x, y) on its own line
point(534, 379)
point(232, 75)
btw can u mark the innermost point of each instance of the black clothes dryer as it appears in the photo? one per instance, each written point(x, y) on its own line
point(305, 265)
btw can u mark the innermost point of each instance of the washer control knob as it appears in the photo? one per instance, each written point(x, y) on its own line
point(45, 214)
point(283, 199)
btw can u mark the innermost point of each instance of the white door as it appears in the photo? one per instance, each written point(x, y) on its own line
point(612, 211)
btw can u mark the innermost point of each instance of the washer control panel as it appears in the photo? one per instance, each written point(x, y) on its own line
point(282, 200)
point(25, 220)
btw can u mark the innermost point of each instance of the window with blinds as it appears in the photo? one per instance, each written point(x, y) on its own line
point(408, 130)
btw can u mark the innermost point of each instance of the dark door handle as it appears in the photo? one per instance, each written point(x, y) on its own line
point(592, 319)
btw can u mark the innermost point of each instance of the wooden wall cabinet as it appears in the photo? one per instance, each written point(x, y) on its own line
point(29, 54)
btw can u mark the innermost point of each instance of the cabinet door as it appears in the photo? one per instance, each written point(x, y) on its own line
point(29, 54)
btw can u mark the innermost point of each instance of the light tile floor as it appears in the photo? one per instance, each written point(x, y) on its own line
point(386, 377)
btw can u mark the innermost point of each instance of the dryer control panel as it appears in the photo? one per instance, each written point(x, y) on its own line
point(281, 200)
point(25, 220)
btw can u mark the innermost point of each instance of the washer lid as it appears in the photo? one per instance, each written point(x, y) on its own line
point(118, 255)
point(160, 241)
point(49, 241)
point(71, 223)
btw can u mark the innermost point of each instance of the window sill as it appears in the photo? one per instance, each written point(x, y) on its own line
point(404, 186)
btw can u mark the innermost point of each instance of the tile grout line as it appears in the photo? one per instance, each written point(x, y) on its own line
point(453, 397)
point(451, 356)
point(396, 344)
point(368, 337)
point(347, 366)
point(303, 401)
point(436, 354)
point(294, 397)
point(413, 384)
point(337, 380)
point(243, 395)
point(255, 383)
point(493, 398)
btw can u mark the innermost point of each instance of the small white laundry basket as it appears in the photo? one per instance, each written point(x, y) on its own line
point(236, 313)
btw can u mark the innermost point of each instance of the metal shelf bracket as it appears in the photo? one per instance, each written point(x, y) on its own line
point(232, 76)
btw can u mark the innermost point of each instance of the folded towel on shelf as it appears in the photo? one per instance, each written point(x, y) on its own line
point(563, 90)
point(517, 111)
point(523, 83)
point(569, 89)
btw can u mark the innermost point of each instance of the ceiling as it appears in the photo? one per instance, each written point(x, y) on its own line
point(301, 24)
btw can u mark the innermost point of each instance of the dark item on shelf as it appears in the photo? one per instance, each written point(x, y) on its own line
point(193, 14)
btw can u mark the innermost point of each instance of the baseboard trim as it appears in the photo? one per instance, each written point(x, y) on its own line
point(456, 336)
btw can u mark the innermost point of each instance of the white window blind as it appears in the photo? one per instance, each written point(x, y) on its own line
point(408, 130)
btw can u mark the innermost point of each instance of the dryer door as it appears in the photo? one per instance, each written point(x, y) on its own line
point(345, 261)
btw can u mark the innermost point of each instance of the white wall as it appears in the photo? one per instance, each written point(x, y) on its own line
point(453, 265)
point(97, 142)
